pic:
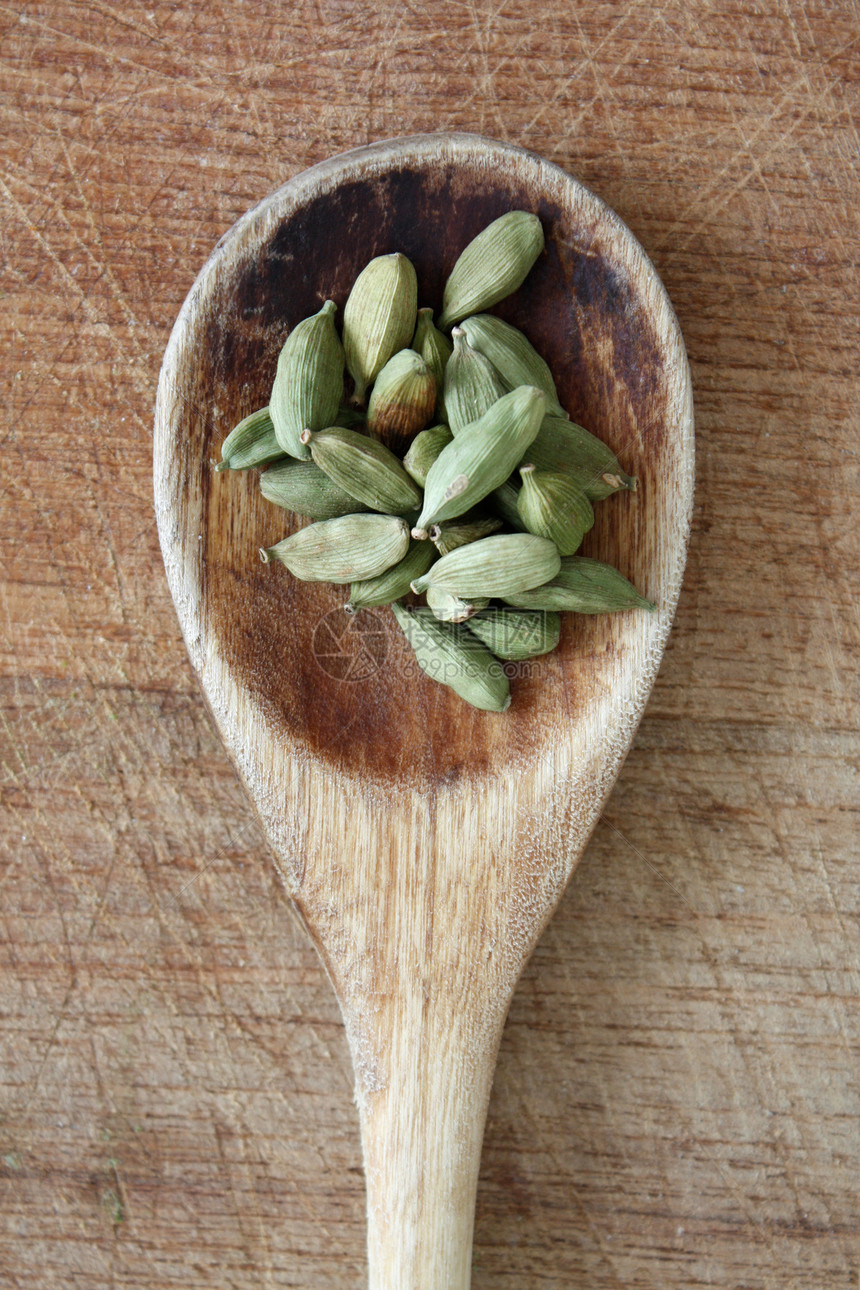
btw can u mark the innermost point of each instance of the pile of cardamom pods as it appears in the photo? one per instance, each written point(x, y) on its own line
point(461, 477)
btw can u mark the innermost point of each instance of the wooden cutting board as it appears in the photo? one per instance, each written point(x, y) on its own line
point(676, 1102)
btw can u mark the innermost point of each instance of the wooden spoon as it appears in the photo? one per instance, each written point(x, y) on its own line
point(424, 843)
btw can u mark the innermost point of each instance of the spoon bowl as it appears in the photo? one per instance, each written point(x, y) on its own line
point(425, 843)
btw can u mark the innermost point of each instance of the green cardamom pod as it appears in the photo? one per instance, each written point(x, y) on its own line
point(517, 634)
point(481, 457)
point(493, 265)
point(378, 318)
point(435, 348)
point(365, 467)
point(502, 565)
point(447, 537)
point(308, 386)
point(563, 445)
point(402, 400)
point(512, 355)
point(449, 608)
point(472, 384)
point(451, 655)
point(251, 443)
point(584, 586)
point(301, 487)
point(504, 499)
point(423, 451)
point(394, 583)
point(347, 549)
point(551, 505)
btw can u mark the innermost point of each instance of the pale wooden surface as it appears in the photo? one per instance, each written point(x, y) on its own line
point(676, 1101)
point(426, 844)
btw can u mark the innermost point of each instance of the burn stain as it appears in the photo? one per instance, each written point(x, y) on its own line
point(582, 314)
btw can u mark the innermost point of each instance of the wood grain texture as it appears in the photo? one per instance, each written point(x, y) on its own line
point(425, 843)
point(676, 1099)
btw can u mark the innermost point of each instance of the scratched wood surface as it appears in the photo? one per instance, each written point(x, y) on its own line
point(676, 1103)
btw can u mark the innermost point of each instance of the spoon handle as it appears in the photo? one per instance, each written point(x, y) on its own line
point(424, 940)
point(422, 1108)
